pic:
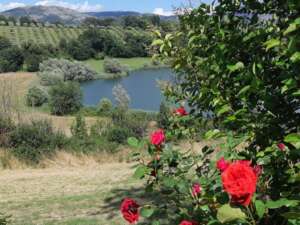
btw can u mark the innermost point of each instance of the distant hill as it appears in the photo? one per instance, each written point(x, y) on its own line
point(49, 14)
point(54, 14)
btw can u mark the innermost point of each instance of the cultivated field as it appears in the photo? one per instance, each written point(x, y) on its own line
point(39, 35)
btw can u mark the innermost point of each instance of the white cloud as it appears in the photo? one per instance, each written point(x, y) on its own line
point(162, 12)
point(81, 7)
point(11, 5)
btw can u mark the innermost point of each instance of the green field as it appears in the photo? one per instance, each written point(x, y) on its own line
point(39, 35)
point(131, 63)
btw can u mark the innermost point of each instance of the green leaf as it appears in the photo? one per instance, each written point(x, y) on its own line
point(293, 139)
point(133, 142)
point(244, 90)
point(140, 172)
point(147, 211)
point(223, 109)
point(272, 43)
point(212, 134)
point(296, 93)
point(237, 66)
point(280, 203)
point(169, 182)
point(292, 215)
point(155, 222)
point(226, 214)
point(295, 57)
point(260, 208)
point(157, 42)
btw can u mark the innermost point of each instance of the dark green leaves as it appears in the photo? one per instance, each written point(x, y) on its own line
point(280, 203)
point(260, 208)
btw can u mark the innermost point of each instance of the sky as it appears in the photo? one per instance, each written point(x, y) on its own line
point(161, 7)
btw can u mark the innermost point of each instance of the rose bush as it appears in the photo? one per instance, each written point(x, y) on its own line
point(238, 65)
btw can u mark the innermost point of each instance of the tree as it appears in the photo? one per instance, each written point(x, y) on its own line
point(65, 98)
point(11, 59)
point(134, 21)
point(121, 96)
point(4, 43)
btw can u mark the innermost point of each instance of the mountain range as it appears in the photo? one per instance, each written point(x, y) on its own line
point(54, 14)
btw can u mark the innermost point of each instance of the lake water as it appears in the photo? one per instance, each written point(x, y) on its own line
point(141, 86)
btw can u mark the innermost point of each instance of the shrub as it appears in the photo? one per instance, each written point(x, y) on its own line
point(118, 134)
point(70, 71)
point(112, 66)
point(78, 128)
point(6, 126)
point(36, 97)
point(11, 59)
point(34, 140)
point(121, 96)
point(79, 50)
point(65, 98)
point(164, 116)
point(104, 107)
point(240, 61)
point(4, 43)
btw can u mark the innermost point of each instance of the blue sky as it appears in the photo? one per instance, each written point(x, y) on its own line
point(157, 6)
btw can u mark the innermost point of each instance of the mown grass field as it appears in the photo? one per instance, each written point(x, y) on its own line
point(39, 35)
point(67, 196)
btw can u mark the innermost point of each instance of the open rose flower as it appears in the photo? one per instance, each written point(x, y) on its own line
point(158, 137)
point(239, 181)
point(130, 210)
point(186, 222)
point(222, 164)
point(281, 146)
point(181, 111)
point(196, 189)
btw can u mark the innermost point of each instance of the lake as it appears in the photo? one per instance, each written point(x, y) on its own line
point(141, 86)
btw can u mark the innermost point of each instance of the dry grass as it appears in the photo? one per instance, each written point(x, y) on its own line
point(82, 195)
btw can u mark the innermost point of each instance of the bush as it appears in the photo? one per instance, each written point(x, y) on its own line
point(118, 134)
point(4, 43)
point(104, 107)
point(6, 126)
point(65, 98)
point(36, 97)
point(65, 70)
point(11, 59)
point(34, 140)
point(112, 66)
point(121, 96)
point(78, 128)
point(240, 61)
point(79, 50)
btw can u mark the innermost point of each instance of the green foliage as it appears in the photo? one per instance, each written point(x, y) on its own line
point(164, 115)
point(113, 66)
point(11, 59)
point(238, 61)
point(32, 141)
point(65, 98)
point(36, 97)
point(54, 70)
point(118, 134)
point(78, 128)
point(104, 107)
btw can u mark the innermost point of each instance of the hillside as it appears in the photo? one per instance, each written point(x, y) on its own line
point(53, 14)
point(49, 14)
point(39, 35)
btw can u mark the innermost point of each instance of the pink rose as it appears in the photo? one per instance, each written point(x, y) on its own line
point(281, 146)
point(196, 189)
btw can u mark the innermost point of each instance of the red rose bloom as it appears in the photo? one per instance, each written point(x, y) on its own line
point(281, 146)
point(186, 222)
point(130, 210)
point(196, 189)
point(239, 181)
point(181, 111)
point(158, 137)
point(222, 164)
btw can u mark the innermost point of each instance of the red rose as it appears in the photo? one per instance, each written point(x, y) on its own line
point(281, 146)
point(222, 164)
point(186, 222)
point(158, 137)
point(239, 181)
point(130, 210)
point(196, 189)
point(181, 111)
